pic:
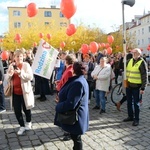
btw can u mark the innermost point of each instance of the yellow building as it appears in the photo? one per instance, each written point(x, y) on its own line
point(46, 17)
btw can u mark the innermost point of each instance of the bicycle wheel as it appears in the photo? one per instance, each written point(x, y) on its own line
point(116, 94)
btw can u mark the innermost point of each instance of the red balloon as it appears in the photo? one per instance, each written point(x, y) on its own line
point(32, 10)
point(110, 39)
point(71, 29)
point(148, 48)
point(41, 35)
point(48, 36)
point(34, 44)
point(84, 48)
point(103, 45)
point(4, 55)
point(109, 50)
point(62, 44)
point(99, 45)
point(18, 41)
point(117, 47)
point(93, 47)
point(68, 8)
point(68, 32)
point(107, 45)
point(17, 37)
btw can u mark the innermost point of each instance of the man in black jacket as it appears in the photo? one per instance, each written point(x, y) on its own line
point(2, 97)
point(137, 80)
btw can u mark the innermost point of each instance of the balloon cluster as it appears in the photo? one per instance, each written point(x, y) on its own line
point(94, 46)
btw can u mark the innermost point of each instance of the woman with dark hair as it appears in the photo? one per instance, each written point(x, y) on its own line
point(69, 60)
point(71, 95)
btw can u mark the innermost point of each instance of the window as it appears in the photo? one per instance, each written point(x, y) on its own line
point(138, 32)
point(47, 14)
point(16, 13)
point(142, 41)
point(61, 15)
point(63, 24)
point(47, 23)
point(148, 40)
point(138, 42)
point(17, 25)
point(142, 30)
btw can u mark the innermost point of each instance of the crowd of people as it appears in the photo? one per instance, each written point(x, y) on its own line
point(78, 78)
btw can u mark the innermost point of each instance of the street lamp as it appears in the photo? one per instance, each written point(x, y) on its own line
point(130, 3)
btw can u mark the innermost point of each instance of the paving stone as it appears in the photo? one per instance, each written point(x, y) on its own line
point(106, 131)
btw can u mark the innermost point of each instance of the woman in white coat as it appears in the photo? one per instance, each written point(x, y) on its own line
point(102, 75)
point(20, 75)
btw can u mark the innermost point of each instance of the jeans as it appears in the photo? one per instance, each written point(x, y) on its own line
point(100, 98)
point(18, 103)
point(133, 96)
point(77, 142)
point(2, 98)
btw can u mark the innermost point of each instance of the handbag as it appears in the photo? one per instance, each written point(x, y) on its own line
point(69, 117)
point(7, 90)
point(92, 84)
point(94, 80)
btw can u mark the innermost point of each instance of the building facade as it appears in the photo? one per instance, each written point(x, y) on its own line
point(46, 17)
point(139, 29)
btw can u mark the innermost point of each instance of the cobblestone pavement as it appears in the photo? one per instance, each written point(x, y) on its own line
point(107, 131)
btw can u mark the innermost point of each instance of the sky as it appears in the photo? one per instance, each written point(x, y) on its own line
point(105, 14)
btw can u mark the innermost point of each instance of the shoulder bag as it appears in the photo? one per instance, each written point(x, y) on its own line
point(93, 84)
point(69, 117)
point(7, 90)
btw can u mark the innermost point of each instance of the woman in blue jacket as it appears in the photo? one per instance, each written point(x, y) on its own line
point(70, 95)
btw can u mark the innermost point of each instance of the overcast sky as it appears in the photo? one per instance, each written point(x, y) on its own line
point(100, 13)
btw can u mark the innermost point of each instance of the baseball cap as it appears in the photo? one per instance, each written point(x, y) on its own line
point(137, 50)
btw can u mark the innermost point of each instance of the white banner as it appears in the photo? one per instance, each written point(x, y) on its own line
point(45, 60)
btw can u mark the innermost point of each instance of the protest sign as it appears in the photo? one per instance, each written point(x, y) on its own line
point(45, 60)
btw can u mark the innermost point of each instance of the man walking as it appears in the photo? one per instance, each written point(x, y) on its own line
point(137, 79)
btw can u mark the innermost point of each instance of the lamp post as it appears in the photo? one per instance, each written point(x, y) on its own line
point(130, 3)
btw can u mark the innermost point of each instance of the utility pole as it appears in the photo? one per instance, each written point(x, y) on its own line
point(130, 3)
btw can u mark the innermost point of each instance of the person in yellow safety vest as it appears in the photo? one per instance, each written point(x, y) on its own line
point(137, 80)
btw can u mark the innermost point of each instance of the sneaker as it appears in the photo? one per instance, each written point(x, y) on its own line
point(1, 111)
point(21, 131)
point(28, 126)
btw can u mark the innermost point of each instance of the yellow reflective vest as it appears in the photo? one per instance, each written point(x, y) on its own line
point(133, 72)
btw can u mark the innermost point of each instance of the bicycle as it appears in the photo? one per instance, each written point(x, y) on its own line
point(117, 93)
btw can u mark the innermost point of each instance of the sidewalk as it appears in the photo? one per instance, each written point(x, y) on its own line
point(106, 132)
